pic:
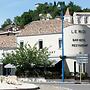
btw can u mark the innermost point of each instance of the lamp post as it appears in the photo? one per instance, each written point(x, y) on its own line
point(62, 18)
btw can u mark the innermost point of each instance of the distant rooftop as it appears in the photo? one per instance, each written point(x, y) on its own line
point(7, 41)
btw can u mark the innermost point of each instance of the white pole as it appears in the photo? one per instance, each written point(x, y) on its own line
point(80, 71)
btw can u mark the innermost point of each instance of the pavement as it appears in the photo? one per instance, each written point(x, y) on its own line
point(69, 84)
point(57, 84)
point(59, 81)
point(64, 86)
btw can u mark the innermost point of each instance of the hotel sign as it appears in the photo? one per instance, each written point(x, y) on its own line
point(78, 42)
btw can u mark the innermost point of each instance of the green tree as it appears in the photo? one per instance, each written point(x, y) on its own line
point(6, 23)
point(23, 58)
point(17, 20)
point(44, 9)
point(24, 19)
point(86, 10)
point(74, 8)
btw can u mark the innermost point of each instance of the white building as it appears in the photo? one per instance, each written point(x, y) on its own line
point(76, 41)
point(7, 45)
point(81, 18)
point(47, 33)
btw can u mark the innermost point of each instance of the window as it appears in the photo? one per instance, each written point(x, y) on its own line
point(40, 44)
point(79, 19)
point(86, 20)
point(60, 43)
point(74, 67)
point(21, 44)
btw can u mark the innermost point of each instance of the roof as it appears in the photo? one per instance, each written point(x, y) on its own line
point(67, 13)
point(80, 13)
point(7, 41)
point(43, 27)
point(9, 66)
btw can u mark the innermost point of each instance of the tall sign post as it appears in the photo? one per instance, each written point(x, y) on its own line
point(62, 45)
point(62, 17)
point(81, 58)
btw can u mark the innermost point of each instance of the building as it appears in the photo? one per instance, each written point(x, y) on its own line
point(7, 44)
point(44, 33)
point(81, 18)
point(68, 17)
point(47, 33)
point(77, 42)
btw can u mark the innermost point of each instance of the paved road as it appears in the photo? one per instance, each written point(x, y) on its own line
point(56, 84)
point(64, 86)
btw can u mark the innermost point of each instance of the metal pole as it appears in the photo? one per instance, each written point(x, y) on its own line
point(62, 45)
point(80, 71)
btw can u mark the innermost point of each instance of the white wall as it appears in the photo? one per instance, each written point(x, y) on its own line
point(81, 18)
point(80, 32)
point(68, 18)
point(74, 37)
point(50, 41)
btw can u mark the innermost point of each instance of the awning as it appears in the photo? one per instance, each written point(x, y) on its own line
point(9, 66)
point(54, 59)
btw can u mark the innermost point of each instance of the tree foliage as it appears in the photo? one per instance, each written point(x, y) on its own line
point(86, 10)
point(74, 8)
point(6, 23)
point(51, 8)
point(23, 58)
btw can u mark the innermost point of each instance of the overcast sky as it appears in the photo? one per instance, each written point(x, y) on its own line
point(12, 8)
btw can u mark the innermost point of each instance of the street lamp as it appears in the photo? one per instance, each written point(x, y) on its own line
point(62, 18)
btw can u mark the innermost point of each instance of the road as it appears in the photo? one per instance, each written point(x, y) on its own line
point(64, 86)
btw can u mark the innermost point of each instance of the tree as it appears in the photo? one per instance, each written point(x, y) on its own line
point(73, 7)
point(23, 20)
point(86, 10)
point(6, 23)
point(44, 9)
point(17, 20)
point(24, 57)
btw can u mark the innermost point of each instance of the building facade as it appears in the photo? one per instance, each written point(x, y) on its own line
point(7, 44)
point(77, 42)
point(81, 18)
point(48, 33)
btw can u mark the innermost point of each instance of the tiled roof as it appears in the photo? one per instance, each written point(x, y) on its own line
point(43, 27)
point(7, 41)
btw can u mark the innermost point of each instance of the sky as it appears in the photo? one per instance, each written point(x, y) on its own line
point(12, 8)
